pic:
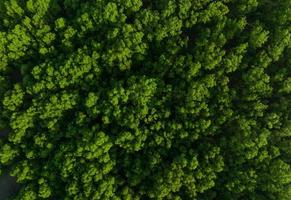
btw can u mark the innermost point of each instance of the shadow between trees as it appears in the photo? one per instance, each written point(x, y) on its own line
point(8, 184)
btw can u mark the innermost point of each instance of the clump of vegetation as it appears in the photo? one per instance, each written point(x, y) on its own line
point(146, 99)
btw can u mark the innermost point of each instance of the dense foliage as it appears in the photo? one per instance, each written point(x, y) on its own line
point(146, 99)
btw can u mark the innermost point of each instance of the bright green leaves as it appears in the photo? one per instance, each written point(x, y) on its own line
point(27, 193)
point(30, 6)
point(193, 70)
point(96, 147)
point(23, 171)
point(280, 179)
point(212, 56)
point(91, 100)
point(7, 153)
point(172, 27)
point(13, 9)
point(56, 106)
point(15, 99)
point(73, 70)
point(124, 50)
point(19, 42)
point(234, 59)
point(286, 86)
point(214, 10)
point(134, 39)
point(46, 38)
point(245, 6)
point(44, 189)
point(234, 26)
point(86, 22)
point(20, 123)
point(198, 92)
point(282, 39)
point(184, 8)
point(183, 171)
point(168, 9)
point(60, 23)
point(24, 36)
point(72, 188)
point(110, 12)
point(212, 164)
point(258, 36)
point(91, 151)
point(41, 140)
point(258, 82)
point(131, 5)
point(124, 139)
point(245, 182)
point(195, 99)
point(137, 96)
point(251, 146)
point(39, 8)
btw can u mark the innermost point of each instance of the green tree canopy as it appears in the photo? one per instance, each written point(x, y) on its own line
point(146, 99)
